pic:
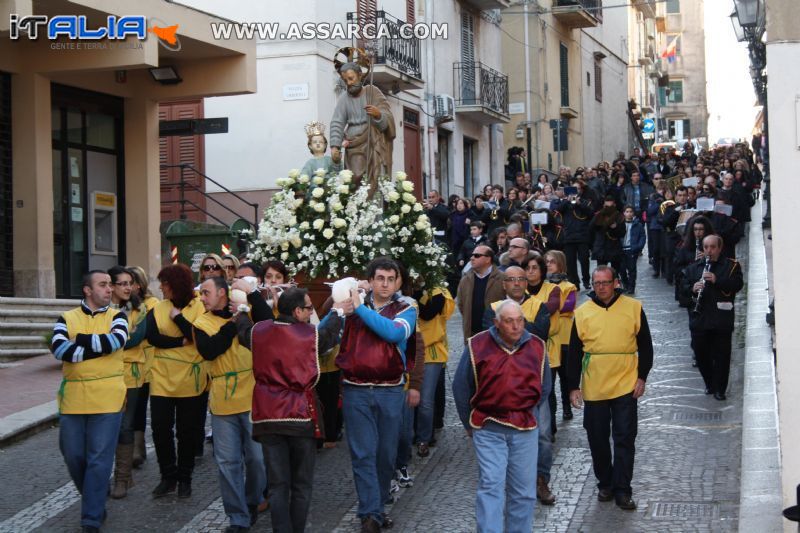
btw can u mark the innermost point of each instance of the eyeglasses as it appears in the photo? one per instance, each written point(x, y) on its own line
point(512, 280)
point(308, 307)
point(603, 283)
point(209, 268)
point(480, 255)
point(124, 284)
point(549, 261)
point(232, 268)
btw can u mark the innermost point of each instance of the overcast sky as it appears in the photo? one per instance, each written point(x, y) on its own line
point(730, 92)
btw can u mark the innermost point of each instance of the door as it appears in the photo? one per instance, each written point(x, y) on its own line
point(181, 199)
point(412, 144)
point(6, 206)
point(470, 175)
point(88, 185)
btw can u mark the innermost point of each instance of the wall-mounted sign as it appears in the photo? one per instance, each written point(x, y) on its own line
point(516, 108)
point(295, 91)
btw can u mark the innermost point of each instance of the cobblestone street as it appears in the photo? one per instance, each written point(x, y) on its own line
point(686, 475)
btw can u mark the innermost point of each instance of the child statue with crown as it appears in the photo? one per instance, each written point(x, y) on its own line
point(318, 145)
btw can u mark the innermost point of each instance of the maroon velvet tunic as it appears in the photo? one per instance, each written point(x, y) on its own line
point(364, 357)
point(286, 369)
point(507, 384)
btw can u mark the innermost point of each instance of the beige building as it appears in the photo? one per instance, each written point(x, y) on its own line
point(567, 63)
point(644, 50)
point(682, 109)
point(79, 134)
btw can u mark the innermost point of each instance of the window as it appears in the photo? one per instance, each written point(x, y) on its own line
point(675, 93)
point(564, 63)
point(468, 77)
point(588, 80)
point(598, 81)
point(679, 129)
point(677, 38)
point(673, 6)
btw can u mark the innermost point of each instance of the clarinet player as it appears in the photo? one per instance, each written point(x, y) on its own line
point(712, 283)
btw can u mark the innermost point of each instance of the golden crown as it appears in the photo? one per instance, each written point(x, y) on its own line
point(315, 128)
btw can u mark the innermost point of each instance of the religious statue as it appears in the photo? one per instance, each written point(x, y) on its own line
point(362, 122)
point(318, 145)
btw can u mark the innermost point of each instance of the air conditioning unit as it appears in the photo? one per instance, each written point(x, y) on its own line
point(445, 108)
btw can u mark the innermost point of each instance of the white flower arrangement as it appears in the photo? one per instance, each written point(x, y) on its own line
point(321, 226)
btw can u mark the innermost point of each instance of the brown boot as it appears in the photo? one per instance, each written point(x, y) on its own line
point(122, 471)
point(139, 449)
point(543, 492)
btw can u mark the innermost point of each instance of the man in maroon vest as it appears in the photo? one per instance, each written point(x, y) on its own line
point(373, 362)
point(496, 388)
point(285, 411)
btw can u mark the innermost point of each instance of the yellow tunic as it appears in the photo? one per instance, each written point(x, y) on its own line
point(553, 347)
point(565, 319)
point(232, 380)
point(97, 385)
point(610, 362)
point(134, 358)
point(177, 372)
point(530, 308)
point(149, 303)
point(327, 361)
point(434, 332)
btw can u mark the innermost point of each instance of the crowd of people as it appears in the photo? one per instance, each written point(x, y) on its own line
point(284, 379)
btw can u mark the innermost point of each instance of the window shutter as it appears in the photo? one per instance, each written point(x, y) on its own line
point(182, 149)
point(411, 15)
point(598, 81)
point(564, 63)
point(467, 57)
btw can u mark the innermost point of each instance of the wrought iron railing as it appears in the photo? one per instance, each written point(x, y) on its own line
point(594, 7)
point(391, 46)
point(477, 84)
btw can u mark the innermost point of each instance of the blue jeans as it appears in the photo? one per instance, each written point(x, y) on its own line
point(88, 443)
point(406, 437)
point(506, 478)
point(242, 476)
point(372, 418)
point(427, 401)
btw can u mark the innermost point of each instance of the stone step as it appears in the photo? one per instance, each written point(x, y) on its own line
point(13, 329)
point(9, 340)
point(30, 315)
point(12, 354)
point(37, 303)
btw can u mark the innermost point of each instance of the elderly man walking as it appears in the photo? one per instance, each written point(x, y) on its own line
point(497, 386)
point(610, 354)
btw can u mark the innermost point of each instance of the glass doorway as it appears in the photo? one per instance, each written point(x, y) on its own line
point(88, 185)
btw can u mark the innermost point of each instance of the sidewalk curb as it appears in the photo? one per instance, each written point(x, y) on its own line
point(19, 425)
point(760, 492)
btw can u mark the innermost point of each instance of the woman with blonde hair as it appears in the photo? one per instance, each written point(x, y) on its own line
point(230, 264)
point(556, 263)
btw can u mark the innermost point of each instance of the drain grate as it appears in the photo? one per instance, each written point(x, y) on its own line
point(684, 510)
point(694, 416)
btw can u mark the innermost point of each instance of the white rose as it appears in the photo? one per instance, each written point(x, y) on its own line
point(293, 221)
point(304, 225)
point(278, 196)
point(289, 181)
point(346, 173)
point(408, 186)
point(320, 172)
point(317, 192)
point(319, 208)
point(409, 198)
point(423, 218)
point(339, 222)
point(318, 180)
point(328, 233)
point(337, 206)
point(296, 241)
point(400, 175)
point(394, 219)
point(417, 207)
point(280, 182)
point(298, 202)
point(285, 245)
point(302, 179)
point(406, 208)
point(343, 189)
point(294, 173)
point(284, 256)
point(318, 223)
point(394, 196)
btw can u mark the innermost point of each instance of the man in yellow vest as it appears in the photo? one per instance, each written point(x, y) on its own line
point(89, 341)
point(610, 354)
point(242, 476)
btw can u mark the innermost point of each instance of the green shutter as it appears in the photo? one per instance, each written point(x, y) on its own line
point(564, 60)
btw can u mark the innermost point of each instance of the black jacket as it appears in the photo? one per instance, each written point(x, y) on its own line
point(607, 241)
point(577, 218)
point(716, 309)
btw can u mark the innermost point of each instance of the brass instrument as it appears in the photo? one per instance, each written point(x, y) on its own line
point(664, 205)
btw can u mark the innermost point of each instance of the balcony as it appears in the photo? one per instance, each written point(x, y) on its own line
point(483, 5)
point(578, 13)
point(481, 93)
point(398, 61)
point(647, 7)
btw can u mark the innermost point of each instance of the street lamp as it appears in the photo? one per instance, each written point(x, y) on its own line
point(748, 13)
point(737, 28)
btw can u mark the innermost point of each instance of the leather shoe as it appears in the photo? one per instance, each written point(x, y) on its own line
point(605, 495)
point(388, 523)
point(543, 493)
point(708, 391)
point(567, 415)
point(184, 489)
point(165, 487)
point(370, 525)
point(626, 503)
point(719, 396)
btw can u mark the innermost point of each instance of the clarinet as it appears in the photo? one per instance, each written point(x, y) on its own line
point(706, 268)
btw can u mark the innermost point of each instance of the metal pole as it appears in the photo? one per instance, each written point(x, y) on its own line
point(558, 142)
point(527, 89)
point(182, 195)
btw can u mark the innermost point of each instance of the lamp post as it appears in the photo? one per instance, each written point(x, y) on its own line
point(748, 13)
point(737, 28)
